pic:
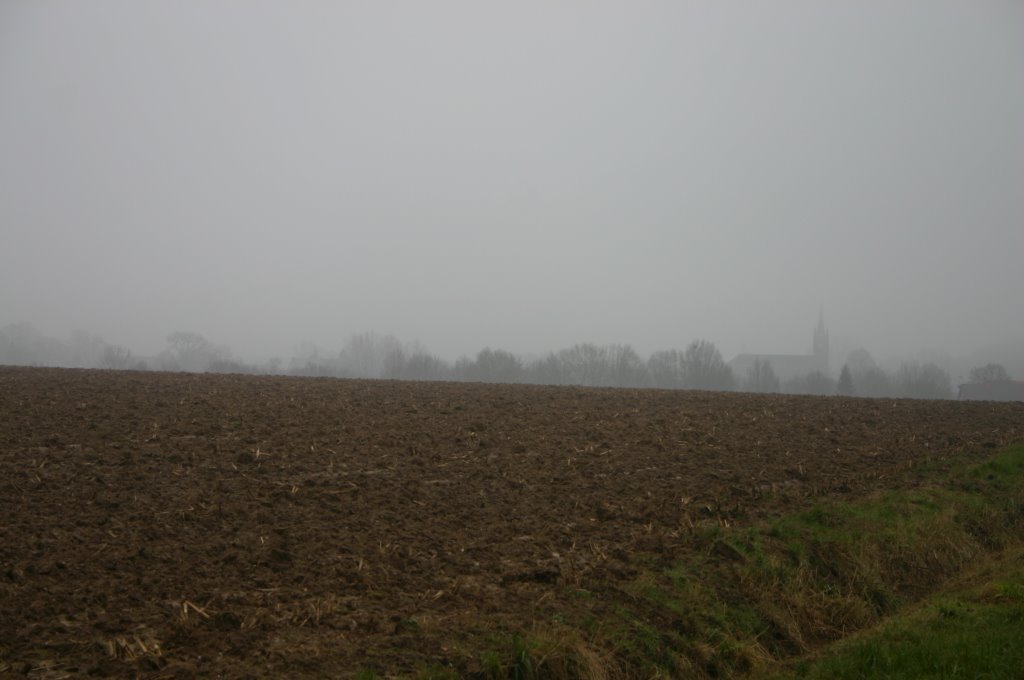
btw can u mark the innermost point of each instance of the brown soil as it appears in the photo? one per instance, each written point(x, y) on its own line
point(172, 525)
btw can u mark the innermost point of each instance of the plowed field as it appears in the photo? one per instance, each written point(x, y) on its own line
point(169, 525)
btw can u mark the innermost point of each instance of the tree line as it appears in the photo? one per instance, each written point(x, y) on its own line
point(699, 366)
point(368, 355)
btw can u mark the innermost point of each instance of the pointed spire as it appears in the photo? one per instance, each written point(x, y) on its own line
point(821, 339)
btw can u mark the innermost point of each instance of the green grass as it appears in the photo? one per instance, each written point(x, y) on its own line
point(745, 599)
point(967, 633)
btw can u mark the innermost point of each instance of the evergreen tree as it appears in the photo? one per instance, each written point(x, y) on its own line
point(845, 386)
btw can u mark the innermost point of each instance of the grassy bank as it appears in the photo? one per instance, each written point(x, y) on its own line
point(747, 598)
point(972, 629)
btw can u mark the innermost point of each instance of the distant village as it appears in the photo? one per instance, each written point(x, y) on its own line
point(698, 366)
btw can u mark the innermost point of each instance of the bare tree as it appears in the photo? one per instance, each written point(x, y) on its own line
point(394, 363)
point(189, 351)
point(869, 380)
point(989, 373)
point(368, 355)
point(115, 357)
point(491, 365)
point(625, 367)
point(922, 381)
point(665, 368)
point(424, 366)
point(761, 377)
point(873, 383)
point(704, 368)
point(547, 371)
point(584, 364)
point(860, 361)
point(307, 360)
point(22, 345)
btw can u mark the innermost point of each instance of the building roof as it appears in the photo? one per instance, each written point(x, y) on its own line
point(999, 390)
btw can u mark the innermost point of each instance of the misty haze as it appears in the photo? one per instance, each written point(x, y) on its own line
point(511, 340)
point(526, 178)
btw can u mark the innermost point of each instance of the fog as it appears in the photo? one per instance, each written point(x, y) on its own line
point(523, 175)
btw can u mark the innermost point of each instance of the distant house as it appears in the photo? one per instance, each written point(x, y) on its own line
point(1001, 390)
point(789, 366)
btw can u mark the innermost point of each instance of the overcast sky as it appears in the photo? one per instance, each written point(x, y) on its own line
point(523, 175)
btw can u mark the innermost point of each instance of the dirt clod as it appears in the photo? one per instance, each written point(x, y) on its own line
point(230, 526)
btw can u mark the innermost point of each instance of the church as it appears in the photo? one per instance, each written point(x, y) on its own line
point(789, 366)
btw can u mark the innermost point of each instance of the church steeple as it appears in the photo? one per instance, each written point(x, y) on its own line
point(821, 342)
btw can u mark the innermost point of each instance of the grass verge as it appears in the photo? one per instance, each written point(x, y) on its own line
point(745, 599)
point(964, 632)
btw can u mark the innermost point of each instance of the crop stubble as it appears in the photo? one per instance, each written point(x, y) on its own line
point(172, 524)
